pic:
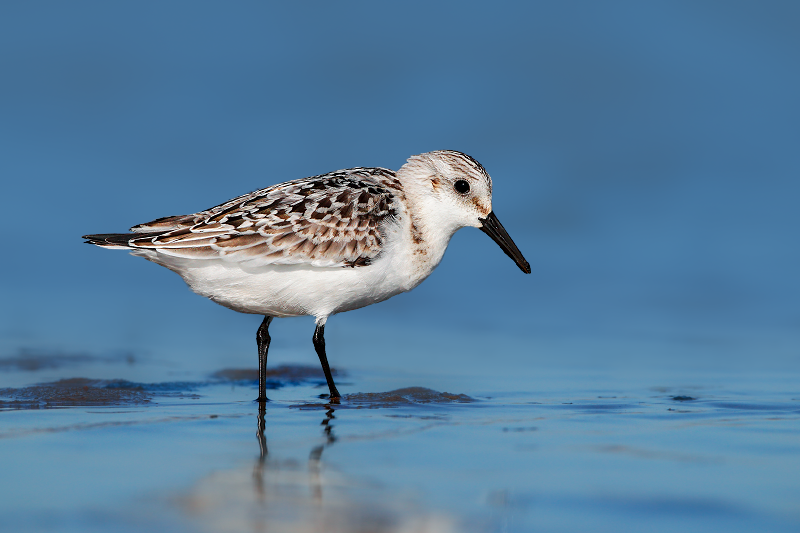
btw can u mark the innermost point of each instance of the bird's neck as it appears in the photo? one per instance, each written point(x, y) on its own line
point(429, 227)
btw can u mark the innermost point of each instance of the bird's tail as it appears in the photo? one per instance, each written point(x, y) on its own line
point(141, 232)
point(116, 240)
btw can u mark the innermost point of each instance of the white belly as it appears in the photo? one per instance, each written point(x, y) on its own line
point(291, 290)
point(297, 290)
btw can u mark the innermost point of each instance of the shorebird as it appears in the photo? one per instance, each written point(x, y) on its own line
point(325, 244)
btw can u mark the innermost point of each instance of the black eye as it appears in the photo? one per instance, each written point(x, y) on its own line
point(461, 186)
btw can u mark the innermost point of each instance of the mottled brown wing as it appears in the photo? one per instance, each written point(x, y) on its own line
point(329, 220)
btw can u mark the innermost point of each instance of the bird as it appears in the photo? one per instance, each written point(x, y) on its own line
point(325, 244)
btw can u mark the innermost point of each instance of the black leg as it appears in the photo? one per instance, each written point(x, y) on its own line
point(319, 346)
point(262, 337)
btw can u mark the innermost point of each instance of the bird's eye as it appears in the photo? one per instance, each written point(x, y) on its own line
point(461, 186)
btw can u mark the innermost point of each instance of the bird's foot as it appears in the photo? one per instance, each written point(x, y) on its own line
point(332, 398)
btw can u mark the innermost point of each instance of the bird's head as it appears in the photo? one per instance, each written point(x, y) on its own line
point(459, 190)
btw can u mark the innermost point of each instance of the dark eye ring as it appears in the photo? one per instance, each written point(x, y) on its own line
point(461, 186)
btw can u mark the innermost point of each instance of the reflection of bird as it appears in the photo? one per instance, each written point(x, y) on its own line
point(326, 244)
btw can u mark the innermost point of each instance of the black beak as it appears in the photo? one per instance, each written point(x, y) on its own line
point(494, 229)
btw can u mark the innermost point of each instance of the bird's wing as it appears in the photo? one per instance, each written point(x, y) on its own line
point(325, 221)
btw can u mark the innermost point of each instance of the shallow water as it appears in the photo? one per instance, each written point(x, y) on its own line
point(592, 451)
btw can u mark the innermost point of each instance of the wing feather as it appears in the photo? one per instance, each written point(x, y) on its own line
point(334, 219)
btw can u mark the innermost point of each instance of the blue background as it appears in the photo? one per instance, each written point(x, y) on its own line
point(644, 154)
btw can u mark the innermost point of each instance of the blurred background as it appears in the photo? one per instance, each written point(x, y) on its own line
point(644, 155)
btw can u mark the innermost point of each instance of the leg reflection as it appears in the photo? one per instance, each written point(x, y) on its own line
point(315, 458)
point(258, 474)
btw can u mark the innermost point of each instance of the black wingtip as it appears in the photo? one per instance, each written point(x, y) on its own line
point(109, 239)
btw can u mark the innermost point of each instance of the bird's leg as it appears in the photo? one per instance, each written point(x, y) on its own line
point(262, 337)
point(319, 346)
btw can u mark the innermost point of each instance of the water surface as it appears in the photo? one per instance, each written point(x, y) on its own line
point(591, 451)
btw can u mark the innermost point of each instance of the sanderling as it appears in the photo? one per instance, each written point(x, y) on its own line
point(325, 244)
